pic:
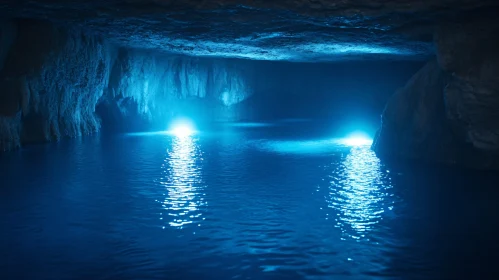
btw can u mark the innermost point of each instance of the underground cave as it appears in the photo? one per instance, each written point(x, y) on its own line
point(191, 139)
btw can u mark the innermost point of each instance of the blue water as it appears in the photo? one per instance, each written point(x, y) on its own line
point(277, 201)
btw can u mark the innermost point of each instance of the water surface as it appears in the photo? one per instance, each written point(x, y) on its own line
point(256, 201)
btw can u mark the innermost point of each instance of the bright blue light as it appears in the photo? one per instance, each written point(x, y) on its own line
point(182, 131)
point(357, 139)
point(182, 128)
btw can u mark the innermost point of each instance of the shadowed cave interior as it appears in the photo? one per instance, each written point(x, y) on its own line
point(265, 86)
point(74, 69)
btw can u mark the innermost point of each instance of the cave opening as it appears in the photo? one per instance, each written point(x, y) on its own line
point(162, 139)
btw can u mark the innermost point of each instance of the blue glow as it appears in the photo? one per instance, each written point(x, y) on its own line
point(299, 147)
point(151, 133)
point(250, 124)
point(182, 128)
point(318, 146)
point(349, 49)
point(356, 139)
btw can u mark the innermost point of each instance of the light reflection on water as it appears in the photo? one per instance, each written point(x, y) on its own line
point(304, 147)
point(184, 185)
point(360, 192)
point(268, 211)
point(310, 147)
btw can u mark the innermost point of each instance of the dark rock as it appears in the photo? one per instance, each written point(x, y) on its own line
point(413, 118)
point(470, 53)
point(448, 112)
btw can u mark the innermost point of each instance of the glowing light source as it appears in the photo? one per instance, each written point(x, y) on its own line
point(182, 131)
point(182, 128)
point(357, 139)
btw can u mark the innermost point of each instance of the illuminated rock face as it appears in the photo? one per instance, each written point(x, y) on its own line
point(154, 89)
point(55, 74)
point(448, 112)
point(52, 79)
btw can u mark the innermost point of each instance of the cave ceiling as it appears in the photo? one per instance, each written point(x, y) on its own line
point(299, 30)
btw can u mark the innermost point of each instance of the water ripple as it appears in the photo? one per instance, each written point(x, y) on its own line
point(359, 192)
point(240, 205)
point(183, 182)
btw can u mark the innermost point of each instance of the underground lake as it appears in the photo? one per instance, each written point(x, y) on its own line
point(237, 139)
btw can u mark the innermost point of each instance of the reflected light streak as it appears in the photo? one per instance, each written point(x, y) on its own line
point(183, 182)
point(360, 192)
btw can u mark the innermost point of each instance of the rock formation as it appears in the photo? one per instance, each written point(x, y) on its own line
point(449, 110)
point(53, 78)
point(57, 71)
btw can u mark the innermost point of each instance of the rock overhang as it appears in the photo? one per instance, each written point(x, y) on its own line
point(308, 31)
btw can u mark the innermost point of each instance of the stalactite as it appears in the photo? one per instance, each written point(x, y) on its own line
point(53, 79)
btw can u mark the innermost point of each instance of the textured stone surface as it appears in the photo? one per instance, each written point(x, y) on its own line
point(470, 53)
point(51, 80)
point(300, 30)
point(154, 89)
point(449, 111)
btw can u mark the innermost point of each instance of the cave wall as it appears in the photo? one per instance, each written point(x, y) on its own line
point(148, 88)
point(54, 80)
point(449, 111)
point(50, 80)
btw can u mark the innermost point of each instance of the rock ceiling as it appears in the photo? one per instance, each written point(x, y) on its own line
point(299, 30)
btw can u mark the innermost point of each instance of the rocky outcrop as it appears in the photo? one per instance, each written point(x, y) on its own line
point(471, 53)
point(449, 110)
point(52, 79)
point(414, 115)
